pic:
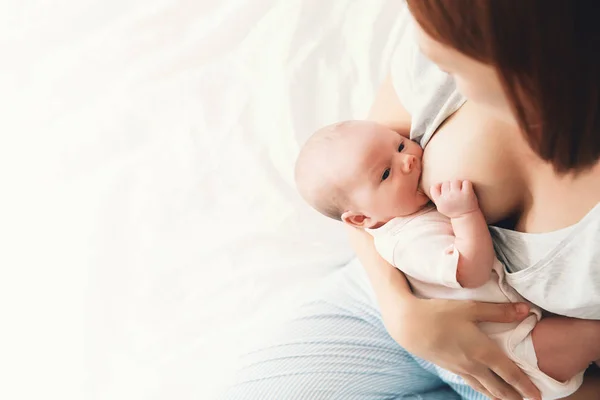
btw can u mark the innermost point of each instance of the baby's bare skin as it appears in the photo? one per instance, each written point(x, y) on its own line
point(563, 346)
point(381, 175)
point(483, 150)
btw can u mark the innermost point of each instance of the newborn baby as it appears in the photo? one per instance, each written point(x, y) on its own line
point(368, 176)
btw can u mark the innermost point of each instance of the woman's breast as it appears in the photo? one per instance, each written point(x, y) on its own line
point(472, 145)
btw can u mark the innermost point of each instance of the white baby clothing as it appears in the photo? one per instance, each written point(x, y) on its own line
point(422, 246)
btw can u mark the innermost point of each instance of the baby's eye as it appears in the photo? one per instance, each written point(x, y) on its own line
point(385, 175)
point(401, 147)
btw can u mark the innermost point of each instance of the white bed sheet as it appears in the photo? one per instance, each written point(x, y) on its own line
point(151, 223)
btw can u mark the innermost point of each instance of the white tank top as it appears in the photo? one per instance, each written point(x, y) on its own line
point(558, 271)
point(524, 250)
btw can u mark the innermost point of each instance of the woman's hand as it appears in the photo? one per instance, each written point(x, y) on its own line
point(445, 332)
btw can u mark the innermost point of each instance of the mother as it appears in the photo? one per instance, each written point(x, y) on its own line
point(531, 72)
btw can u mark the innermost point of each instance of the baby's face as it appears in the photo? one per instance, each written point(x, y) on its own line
point(381, 173)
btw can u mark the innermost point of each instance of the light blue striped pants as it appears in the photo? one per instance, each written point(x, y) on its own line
point(336, 347)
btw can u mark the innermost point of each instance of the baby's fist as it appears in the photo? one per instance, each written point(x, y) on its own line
point(454, 198)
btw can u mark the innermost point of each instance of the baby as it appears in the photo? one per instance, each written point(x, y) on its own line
point(368, 176)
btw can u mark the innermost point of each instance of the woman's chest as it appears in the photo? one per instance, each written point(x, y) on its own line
point(470, 145)
point(557, 201)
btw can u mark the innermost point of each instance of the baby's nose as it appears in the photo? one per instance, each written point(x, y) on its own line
point(408, 163)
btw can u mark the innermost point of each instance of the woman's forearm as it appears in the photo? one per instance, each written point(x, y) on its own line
point(389, 284)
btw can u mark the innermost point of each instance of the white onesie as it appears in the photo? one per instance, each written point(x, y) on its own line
point(422, 246)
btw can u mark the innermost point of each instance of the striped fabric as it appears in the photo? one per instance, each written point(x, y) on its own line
point(336, 347)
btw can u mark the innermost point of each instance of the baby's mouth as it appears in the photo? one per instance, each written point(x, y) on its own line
point(420, 170)
point(419, 188)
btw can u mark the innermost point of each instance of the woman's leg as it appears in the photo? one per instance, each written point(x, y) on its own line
point(454, 381)
point(337, 348)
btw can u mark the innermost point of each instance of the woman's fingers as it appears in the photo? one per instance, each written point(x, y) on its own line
point(461, 346)
point(474, 383)
point(482, 379)
point(505, 312)
point(497, 387)
point(510, 373)
point(501, 368)
point(503, 374)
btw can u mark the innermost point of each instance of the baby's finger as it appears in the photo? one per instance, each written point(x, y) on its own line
point(435, 191)
point(467, 186)
point(455, 185)
point(445, 187)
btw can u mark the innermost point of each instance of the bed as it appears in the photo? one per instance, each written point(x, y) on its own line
point(156, 233)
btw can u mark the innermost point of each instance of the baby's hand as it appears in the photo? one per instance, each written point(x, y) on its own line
point(454, 199)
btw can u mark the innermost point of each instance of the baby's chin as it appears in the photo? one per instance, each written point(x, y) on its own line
point(423, 196)
point(420, 202)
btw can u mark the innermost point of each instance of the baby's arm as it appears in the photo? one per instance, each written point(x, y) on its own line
point(457, 201)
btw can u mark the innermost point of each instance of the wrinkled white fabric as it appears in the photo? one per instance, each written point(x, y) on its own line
point(422, 246)
point(151, 230)
point(566, 280)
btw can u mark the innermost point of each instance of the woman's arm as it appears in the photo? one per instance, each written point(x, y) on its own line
point(445, 332)
point(441, 331)
point(388, 283)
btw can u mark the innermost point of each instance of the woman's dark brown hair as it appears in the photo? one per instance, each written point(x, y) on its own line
point(547, 53)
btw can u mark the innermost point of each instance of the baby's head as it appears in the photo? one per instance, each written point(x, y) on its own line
point(361, 173)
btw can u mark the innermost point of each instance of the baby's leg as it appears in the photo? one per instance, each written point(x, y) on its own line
point(565, 346)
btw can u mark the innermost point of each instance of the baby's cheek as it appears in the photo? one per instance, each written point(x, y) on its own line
point(386, 205)
point(400, 201)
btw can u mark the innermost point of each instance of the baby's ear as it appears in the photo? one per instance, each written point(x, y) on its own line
point(355, 219)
